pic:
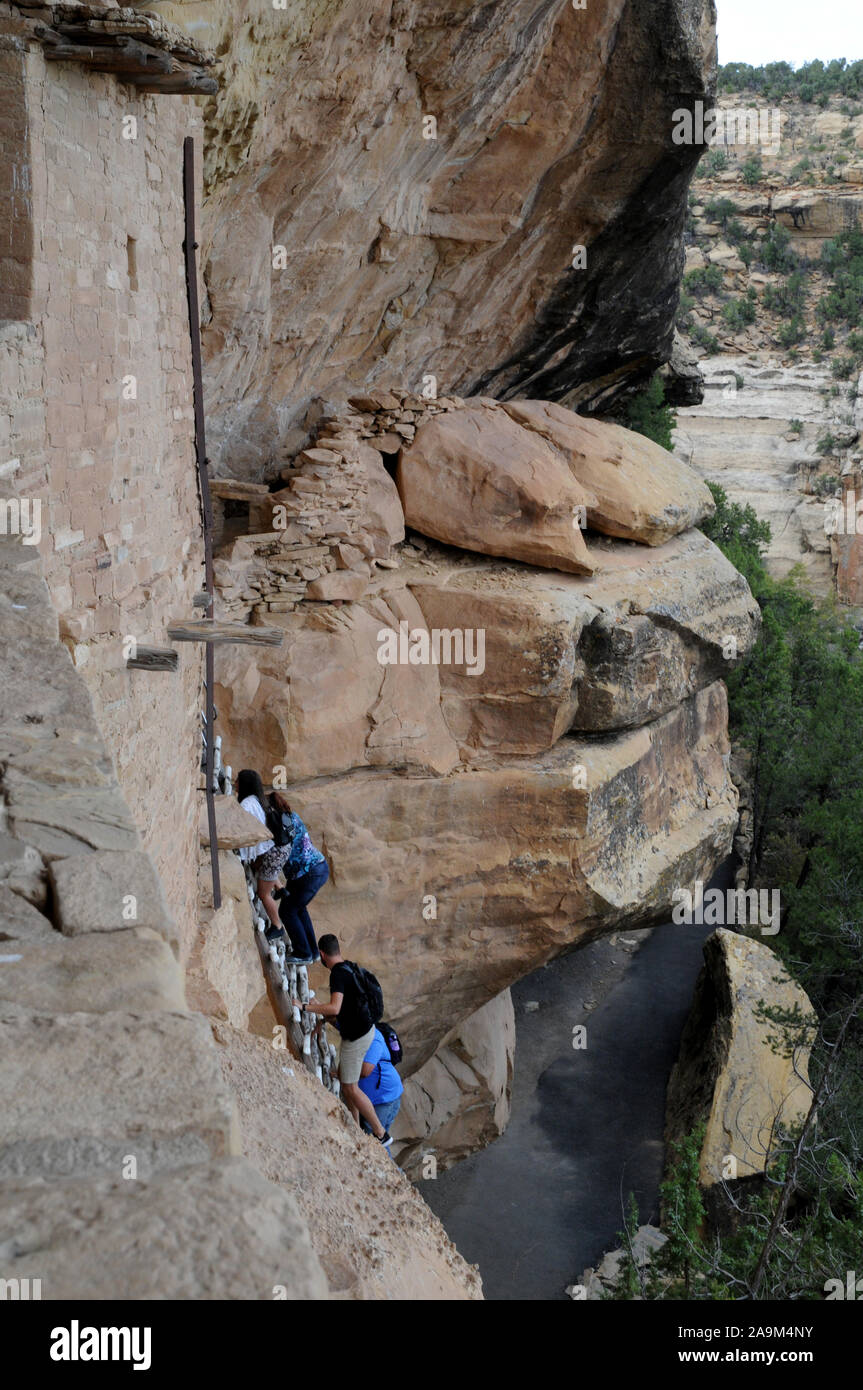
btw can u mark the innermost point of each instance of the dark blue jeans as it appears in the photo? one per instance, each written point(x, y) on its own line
point(292, 909)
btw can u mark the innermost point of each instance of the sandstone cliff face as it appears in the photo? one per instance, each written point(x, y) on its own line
point(779, 424)
point(727, 1074)
point(93, 1014)
point(451, 255)
point(516, 862)
point(476, 823)
point(556, 772)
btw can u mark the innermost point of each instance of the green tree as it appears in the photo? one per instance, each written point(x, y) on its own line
point(648, 413)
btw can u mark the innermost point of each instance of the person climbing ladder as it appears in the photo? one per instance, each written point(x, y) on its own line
point(350, 1011)
point(306, 871)
point(266, 858)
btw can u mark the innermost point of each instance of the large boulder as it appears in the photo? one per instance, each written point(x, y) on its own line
point(727, 1073)
point(451, 888)
point(104, 1087)
point(459, 1101)
point(564, 652)
point(474, 479)
point(382, 515)
point(642, 492)
point(97, 973)
point(108, 891)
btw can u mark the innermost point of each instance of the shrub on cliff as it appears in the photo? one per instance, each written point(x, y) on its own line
point(842, 259)
point(740, 536)
point(648, 413)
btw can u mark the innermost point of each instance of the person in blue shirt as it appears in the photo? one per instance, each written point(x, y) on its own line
point(306, 871)
point(380, 1081)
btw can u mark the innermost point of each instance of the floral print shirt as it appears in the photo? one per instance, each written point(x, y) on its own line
point(303, 855)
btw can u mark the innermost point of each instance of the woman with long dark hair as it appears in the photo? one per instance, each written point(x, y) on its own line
point(266, 858)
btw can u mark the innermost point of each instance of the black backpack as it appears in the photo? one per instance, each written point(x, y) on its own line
point(393, 1042)
point(279, 832)
point(369, 990)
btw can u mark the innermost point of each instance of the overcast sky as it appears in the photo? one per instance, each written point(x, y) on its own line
point(767, 31)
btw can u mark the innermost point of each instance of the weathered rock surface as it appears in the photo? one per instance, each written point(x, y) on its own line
point(217, 1231)
point(459, 1101)
point(522, 858)
point(569, 653)
point(107, 891)
point(99, 1062)
point(595, 1284)
point(98, 974)
point(372, 1232)
point(164, 1104)
point(473, 478)
point(223, 975)
point(635, 488)
point(818, 212)
point(727, 1074)
point(684, 384)
point(235, 828)
point(19, 920)
point(553, 128)
point(323, 702)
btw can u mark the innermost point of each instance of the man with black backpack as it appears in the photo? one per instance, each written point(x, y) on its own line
point(356, 1004)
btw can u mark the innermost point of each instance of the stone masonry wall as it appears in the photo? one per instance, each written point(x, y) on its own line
point(97, 297)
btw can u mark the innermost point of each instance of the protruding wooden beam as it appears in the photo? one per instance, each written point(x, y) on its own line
point(127, 56)
point(235, 490)
point(203, 630)
point(153, 659)
point(191, 83)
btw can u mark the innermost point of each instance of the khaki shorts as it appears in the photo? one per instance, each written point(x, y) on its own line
point(351, 1057)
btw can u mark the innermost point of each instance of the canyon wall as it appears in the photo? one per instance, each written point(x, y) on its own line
point(428, 170)
point(779, 424)
point(481, 816)
point(477, 821)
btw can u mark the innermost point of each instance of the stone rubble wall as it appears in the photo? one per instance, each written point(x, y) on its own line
point(340, 512)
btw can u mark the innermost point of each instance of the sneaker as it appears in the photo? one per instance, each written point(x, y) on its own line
point(275, 934)
point(386, 1139)
point(298, 960)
